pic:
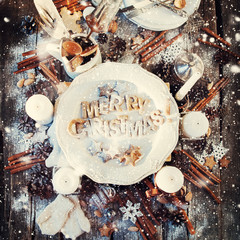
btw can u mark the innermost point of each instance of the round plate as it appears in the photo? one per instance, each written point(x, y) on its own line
point(154, 146)
point(161, 18)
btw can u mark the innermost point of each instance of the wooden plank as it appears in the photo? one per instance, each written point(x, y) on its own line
point(203, 212)
point(230, 211)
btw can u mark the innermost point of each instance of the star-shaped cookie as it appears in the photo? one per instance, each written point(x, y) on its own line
point(106, 231)
point(105, 90)
point(224, 162)
point(210, 162)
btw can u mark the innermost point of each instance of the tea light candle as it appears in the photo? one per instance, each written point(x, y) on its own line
point(169, 179)
point(65, 180)
point(194, 124)
point(40, 109)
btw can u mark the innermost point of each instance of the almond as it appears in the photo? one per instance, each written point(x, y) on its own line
point(113, 26)
point(29, 81)
point(20, 83)
point(31, 75)
point(98, 213)
point(188, 197)
point(133, 229)
point(28, 135)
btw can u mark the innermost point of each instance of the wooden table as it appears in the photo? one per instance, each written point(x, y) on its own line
point(211, 221)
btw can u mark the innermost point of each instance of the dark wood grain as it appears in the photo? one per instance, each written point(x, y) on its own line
point(211, 221)
point(230, 187)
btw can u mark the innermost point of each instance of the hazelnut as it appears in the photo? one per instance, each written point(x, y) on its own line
point(179, 4)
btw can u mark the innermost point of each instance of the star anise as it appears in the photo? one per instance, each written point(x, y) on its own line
point(212, 112)
point(222, 57)
point(42, 150)
point(117, 47)
point(27, 124)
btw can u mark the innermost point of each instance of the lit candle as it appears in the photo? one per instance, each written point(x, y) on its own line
point(169, 179)
point(65, 180)
point(194, 124)
point(39, 108)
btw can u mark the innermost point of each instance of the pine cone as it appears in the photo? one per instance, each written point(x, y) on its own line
point(27, 124)
point(117, 47)
point(222, 57)
point(102, 38)
point(42, 150)
point(177, 217)
point(198, 92)
point(163, 214)
point(28, 25)
point(212, 113)
point(40, 183)
point(163, 70)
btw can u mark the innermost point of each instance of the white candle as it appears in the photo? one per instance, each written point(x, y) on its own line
point(39, 108)
point(65, 180)
point(194, 124)
point(169, 179)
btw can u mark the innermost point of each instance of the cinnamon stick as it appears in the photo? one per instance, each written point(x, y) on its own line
point(137, 224)
point(192, 180)
point(188, 223)
point(50, 75)
point(213, 34)
point(148, 183)
point(23, 168)
point(219, 47)
point(31, 52)
point(211, 96)
point(160, 48)
point(200, 167)
point(153, 47)
point(52, 67)
point(28, 60)
point(150, 43)
point(205, 187)
point(212, 90)
point(24, 163)
point(21, 159)
point(147, 207)
point(18, 155)
point(201, 176)
point(148, 223)
point(27, 68)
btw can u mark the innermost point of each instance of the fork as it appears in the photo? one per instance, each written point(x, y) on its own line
point(52, 26)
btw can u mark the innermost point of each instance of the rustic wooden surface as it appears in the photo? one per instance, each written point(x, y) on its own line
point(210, 220)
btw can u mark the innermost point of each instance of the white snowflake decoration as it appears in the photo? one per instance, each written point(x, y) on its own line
point(201, 157)
point(131, 211)
point(219, 151)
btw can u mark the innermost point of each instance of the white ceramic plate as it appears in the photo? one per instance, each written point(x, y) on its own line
point(155, 147)
point(159, 19)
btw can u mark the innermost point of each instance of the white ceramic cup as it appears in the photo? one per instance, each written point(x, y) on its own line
point(55, 49)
